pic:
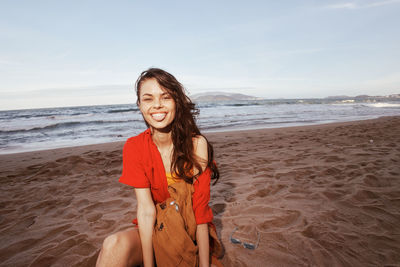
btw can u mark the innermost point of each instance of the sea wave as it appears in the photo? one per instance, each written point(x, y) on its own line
point(269, 102)
point(29, 116)
point(383, 105)
point(122, 110)
point(70, 116)
point(44, 114)
point(65, 125)
point(254, 124)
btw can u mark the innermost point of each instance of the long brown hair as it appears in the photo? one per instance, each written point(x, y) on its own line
point(183, 127)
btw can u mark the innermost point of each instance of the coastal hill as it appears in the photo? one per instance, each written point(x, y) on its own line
point(221, 96)
point(225, 96)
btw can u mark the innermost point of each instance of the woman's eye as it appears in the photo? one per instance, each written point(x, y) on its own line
point(146, 99)
point(166, 97)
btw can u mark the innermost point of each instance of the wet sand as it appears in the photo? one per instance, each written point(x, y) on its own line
point(325, 195)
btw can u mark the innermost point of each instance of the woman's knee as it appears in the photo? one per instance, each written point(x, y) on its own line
point(118, 241)
point(122, 242)
point(123, 247)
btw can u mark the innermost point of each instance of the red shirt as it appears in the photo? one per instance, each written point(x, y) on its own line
point(143, 168)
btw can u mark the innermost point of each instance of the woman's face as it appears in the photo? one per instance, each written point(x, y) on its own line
point(156, 104)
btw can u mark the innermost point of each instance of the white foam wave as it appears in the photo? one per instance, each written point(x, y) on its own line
point(384, 105)
point(68, 117)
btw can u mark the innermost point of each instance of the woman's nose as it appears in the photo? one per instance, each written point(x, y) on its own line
point(157, 103)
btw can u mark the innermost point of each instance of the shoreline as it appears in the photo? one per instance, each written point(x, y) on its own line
point(206, 133)
point(318, 195)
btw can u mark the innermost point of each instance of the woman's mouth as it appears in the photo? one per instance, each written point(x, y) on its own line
point(159, 116)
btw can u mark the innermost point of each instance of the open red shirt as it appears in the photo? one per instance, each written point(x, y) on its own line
point(143, 168)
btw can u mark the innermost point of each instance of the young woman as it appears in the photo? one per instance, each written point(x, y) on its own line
point(171, 149)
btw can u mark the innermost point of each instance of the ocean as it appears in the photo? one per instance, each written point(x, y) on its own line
point(38, 129)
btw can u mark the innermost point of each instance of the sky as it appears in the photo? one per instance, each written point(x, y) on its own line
point(73, 53)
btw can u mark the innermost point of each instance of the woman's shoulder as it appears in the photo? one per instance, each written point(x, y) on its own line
point(200, 149)
point(199, 144)
point(199, 140)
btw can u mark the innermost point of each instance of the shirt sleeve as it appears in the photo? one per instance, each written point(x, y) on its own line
point(201, 198)
point(133, 173)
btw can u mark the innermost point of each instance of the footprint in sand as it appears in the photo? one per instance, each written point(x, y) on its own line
point(269, 191)
point(21, 225)
point(50, 256)
point(13, 249)
point(364, 196)
point(330, 159)
point(54, 232)
point(373, 181)
point(333, 195)
point(105, 225)
point(218, 208)
point(280, 219)
point(93, 217)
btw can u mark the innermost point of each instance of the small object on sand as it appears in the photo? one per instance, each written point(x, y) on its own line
point(371, 141)
point(251, 246)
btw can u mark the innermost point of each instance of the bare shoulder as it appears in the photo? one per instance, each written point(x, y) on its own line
point(200, 141)
point(201, 149)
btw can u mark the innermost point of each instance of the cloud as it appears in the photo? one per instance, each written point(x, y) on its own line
point(74, 96)
point(355, 5)
point(73, 91)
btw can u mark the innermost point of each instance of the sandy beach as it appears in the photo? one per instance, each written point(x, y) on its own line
point(324, 195)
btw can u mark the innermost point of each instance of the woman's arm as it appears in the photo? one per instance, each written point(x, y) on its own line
point(201, 152)
point(146, 215)
point(204, 246)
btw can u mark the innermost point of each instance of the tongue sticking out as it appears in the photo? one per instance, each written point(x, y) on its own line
point(158, 116)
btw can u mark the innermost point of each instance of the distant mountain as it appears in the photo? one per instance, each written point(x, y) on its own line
point(221, 96)
point(338, 97)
